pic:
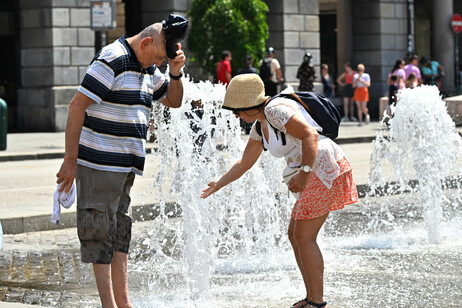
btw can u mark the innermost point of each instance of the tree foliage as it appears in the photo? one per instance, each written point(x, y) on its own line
point(235, 25)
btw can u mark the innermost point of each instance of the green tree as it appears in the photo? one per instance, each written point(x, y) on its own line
point(235, 25)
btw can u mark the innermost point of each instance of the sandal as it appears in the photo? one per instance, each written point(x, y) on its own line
point(316, 305)
point(305, 301)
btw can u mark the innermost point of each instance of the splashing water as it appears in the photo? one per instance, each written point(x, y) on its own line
point(424, 149)
point(238, 229)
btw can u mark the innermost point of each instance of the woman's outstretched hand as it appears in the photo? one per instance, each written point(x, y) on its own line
point(210, 190)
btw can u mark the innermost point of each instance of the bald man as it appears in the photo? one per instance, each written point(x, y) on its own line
point(105, 146)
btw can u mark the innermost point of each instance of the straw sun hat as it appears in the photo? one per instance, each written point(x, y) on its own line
point(245, 92)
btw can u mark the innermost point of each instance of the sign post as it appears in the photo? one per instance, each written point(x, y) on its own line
point(103, 17)
point(456, 24)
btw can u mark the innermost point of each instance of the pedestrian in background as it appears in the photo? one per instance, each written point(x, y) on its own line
point(306, 74)
point(247, 69)
point(270, 72)
point(224, 68)
point(105, 144)
point(345, 80)
point(412, 67)
point(396, 80)
point(248, 66)
point(432, 72)
point(327, 82)
point(411, 81)
point(361, 83)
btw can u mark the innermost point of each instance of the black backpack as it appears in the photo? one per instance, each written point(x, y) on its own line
point(265, 70)
point(320, 108)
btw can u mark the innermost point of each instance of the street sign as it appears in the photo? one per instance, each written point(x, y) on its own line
point(456, 23)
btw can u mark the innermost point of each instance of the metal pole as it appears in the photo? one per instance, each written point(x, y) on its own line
point(456, 62)
point(410, 44)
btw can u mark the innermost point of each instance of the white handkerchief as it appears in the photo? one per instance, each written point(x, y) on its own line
point(62, 198)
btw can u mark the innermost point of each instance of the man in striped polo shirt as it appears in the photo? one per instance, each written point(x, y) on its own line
point(105, 143)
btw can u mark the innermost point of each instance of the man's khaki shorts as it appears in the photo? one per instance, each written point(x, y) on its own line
point(104, 214)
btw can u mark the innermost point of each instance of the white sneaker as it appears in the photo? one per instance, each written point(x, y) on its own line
point(368, 119)
point(360, 124)
point(345, 119)
point(353, 119)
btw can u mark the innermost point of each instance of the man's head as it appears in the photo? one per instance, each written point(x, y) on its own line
point(307, 57)
point(150, 47)
point(226, 55)
point(270, 52)
point(248, 60)
point(414, 60)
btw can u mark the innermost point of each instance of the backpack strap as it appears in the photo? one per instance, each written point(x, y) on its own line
point(276, 131)
point(260, 133)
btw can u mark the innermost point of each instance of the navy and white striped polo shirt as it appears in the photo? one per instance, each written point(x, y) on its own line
point(114, 132)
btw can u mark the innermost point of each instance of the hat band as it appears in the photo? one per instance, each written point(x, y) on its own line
point(244, 108)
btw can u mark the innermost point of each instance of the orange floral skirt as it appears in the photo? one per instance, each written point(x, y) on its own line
point(317, 200)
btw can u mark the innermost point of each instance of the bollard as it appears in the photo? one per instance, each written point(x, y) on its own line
point(3, 124)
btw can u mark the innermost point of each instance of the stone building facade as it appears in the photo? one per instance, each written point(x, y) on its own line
point(51, 44)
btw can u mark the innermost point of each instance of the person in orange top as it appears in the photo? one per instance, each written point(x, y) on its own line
point(224, 68)
point(345, 80)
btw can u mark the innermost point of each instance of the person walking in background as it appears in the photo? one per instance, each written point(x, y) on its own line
point(322, 172)
point(247, 69)
point(270, 72)
point(306, 74)
point(345, 80)
point(412, 67)
point(105, 144)
point(361, 83)
point(411, 81)
point(396, 80)
point(224, 68)
point(432, 72)
point(327, 82)
point(248, 66)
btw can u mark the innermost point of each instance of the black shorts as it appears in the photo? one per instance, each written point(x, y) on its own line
point(348, 90)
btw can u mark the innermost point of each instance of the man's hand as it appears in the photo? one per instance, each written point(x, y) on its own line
point(177, 63)
point(66, 175)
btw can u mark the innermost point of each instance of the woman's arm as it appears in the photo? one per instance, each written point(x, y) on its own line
point(300, 129)
point(366, 83)
point(251, 154)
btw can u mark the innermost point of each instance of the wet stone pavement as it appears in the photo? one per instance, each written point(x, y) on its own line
point(44, 269)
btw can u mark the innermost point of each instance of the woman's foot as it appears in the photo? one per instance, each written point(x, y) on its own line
point(310, 304)
point(300, 304)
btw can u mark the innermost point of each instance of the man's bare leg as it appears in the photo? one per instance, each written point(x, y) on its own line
point(104, 284)
point(119, 268)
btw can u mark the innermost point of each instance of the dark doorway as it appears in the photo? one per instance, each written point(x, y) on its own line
point(328, 26)
point(133, 20)
point(9, 60)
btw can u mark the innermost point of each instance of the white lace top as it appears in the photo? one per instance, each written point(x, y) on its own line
point(278, 112)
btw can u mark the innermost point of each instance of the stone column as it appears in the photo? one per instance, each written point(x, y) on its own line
point(56, 45)
point(344, 34)
point(443, 40)
point(294, 30)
